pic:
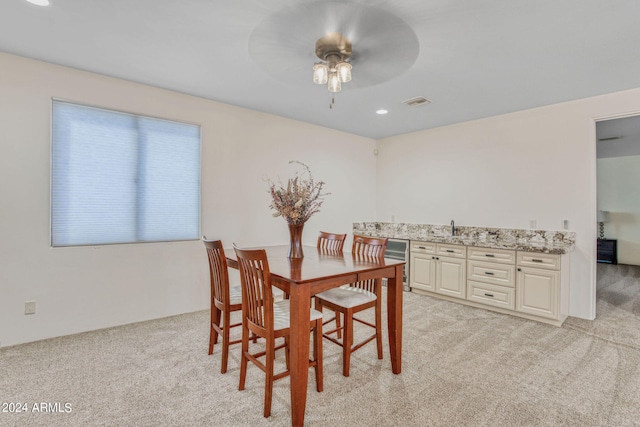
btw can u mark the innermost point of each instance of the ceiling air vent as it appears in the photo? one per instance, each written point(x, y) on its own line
point(418, 100)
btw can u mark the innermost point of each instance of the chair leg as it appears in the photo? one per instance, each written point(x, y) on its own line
point(347, 342)
point(379, 327)
point(213, 334)
point(286, 351)
point(339, 330)
point(243, 358)
point(317, 354)
point(225, 341)
point(268, 386)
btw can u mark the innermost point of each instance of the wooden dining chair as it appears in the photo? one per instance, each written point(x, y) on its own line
point(331, 242)
point(354, 298)
point(269, 319)
point(225, 299)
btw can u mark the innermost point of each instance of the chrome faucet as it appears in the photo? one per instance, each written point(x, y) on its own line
point(453, 228)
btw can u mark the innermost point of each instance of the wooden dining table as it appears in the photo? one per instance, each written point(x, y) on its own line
point(317, 271)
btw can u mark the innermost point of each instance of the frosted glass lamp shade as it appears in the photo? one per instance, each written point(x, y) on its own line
point(344, 72)
point(334, 83)
point(320, 73)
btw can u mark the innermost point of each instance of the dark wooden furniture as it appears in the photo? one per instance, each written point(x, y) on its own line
point(331, 241)
point(608, 251)
point(316, 272)
point(270, 320)
point(224, 299)
point(352, 299)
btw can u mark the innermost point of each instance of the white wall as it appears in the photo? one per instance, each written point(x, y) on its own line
point(504, 171)
point(85, 288)
point(619, 193)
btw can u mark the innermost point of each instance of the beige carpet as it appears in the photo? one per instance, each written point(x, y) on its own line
point(462, 367)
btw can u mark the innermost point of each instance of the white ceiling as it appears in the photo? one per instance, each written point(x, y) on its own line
point(471, 58)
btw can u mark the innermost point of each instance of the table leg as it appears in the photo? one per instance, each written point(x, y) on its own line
point(394, 319)
point(299, 351)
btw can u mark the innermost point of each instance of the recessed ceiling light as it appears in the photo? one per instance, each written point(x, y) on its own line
point(39, 2)
point(381, 111)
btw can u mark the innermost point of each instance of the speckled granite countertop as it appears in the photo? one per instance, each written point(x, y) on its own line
point(551, 242)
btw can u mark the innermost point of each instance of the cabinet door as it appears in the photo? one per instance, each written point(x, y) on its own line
point(423, 272)
point(451, 277)
point(537, 292)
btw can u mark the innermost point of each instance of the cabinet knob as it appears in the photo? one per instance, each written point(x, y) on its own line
point(489, 273)
point(449, 250)
point(535, 260)
point(519, 269)
point(489, 255)
point(488, 295)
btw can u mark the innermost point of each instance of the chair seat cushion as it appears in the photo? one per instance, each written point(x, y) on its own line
point(347, 297)
point(282, 313)
point(235, 294)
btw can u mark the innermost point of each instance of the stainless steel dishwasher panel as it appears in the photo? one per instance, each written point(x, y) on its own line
point(399, 249)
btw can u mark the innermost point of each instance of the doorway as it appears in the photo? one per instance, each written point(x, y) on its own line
point(618, 192)
point(618, 216)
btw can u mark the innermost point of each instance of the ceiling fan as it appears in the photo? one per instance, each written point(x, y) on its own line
point(290, 41)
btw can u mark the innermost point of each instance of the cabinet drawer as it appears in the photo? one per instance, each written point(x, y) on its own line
point(497, 296)
point(537, 260)
point(451, 251)
point(502, 256)
point(494, 273)
point(422, 247)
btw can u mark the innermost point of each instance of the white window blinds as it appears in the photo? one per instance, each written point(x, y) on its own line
point(122, 178)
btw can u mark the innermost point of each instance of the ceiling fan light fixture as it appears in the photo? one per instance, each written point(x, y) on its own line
point(333, 50)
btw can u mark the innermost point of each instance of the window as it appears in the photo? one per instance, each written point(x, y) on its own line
point(122, 178)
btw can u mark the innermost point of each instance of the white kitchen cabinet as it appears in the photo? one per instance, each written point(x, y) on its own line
point(451, 278)
point(422, 274)
point(439, 268)
point(538, 285)
point(532, 285)
point(491, 277)
point(500, 256)
point(493, 295)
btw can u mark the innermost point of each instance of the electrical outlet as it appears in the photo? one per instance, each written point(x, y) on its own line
point(29, 307)
point(532, 224)
point(565, 224)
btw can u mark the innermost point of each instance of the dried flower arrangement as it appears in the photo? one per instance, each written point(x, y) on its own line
point(300, 199)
